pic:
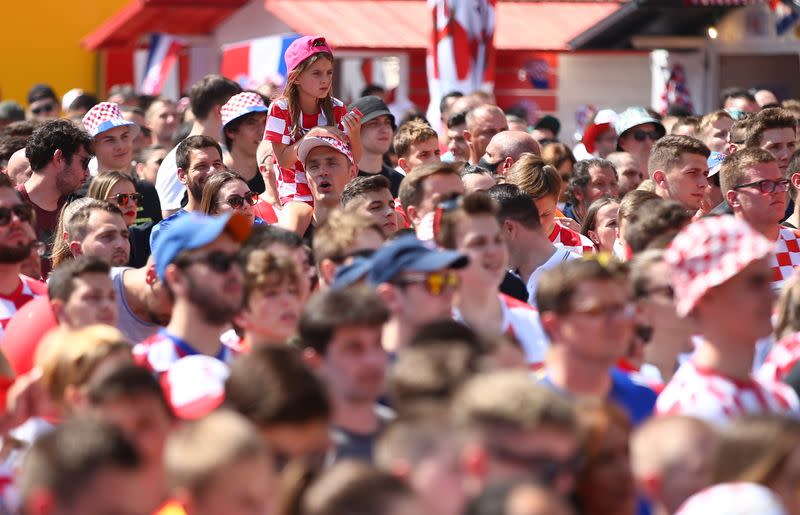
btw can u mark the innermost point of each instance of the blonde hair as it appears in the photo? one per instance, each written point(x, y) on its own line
point(410, 133)
point(102, 185)
point(61, 250)
point(291, 92)
point(264, 269)
point(333, 239)
point(70, 357)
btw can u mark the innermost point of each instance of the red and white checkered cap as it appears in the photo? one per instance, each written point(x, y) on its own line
point(308, 144)
point(195, 385)
point(733, 499)
point(240, 105)
point(707, 253)
point(102, 117)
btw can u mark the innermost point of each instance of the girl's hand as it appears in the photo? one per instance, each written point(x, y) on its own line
point(352, 124)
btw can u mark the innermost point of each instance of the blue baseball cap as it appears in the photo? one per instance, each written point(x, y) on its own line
point(408, 254)
point(351, 273)
point(715, 160)
point(193, 231)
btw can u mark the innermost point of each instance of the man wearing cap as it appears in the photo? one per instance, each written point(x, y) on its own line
point(713, 200)
point(112, 144)
point(505, 148)
point(329, 166)
point(483, 122)
point(587, 310)
point(207, 96)
point(756, 189)
point(197, 261)
point(59, 154)
point(638, 131)
point(42, 103)
point(197, 157)
point(417, 284)
point(244, 117)
point(720, 271)
point(377, 128)
point(599, 137)
point(678, 166)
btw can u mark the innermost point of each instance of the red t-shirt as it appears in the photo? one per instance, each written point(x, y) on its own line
point(27, 290)
point(46, 222)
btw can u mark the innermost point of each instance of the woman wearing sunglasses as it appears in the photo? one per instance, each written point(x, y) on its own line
point(228, 191)
point(118, 189)
point(470, 226)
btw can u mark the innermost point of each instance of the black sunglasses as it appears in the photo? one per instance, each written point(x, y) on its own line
point(640, 135)
point(44, 108)
point(123, 198)
point(22, 211)
point(238, 201)
point(217, 261)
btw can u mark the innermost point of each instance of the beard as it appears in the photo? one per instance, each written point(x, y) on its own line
point(215, 307)
point(15, 254)
point(195, 190)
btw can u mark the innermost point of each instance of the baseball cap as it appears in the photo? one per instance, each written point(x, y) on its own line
point(308, 144)
point(240, 105)
point(70, 97)
point(194, 230)
point(11, 111)
point(103, 117)
point(633, 116)
point(715, 160)
point(351, 273)
point(407, 253)
point(709, 252)
point(40, 92)
point(372, 107)
point(303, 48)
point(733, 499)
point(603, 121)
point(194, 386)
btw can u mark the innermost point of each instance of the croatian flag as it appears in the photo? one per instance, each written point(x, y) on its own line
point(161, 58)
point(251, 63)
point(461, 57)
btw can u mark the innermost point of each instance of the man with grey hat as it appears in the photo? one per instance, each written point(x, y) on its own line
point(638, 131)
point(377, 129)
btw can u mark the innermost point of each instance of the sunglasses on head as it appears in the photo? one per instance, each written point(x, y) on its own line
point(22, 211)
point(122, 199)
point(435, 282)
point(640, 135)
point(238, 201)
point(217, 261)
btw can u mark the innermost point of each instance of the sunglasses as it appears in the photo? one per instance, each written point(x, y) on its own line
point(767, 185)
point(435, 282)
point(22, 211)
point(238, 201)
point(44, 108)
point(122, 199)
point(640, 135)
point(217, 261)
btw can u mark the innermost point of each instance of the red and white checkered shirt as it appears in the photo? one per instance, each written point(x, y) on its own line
point(571, 240)
point(787, 256)
point(27, 290)
point(781, 359)
point(718, 399)
point(292, 182)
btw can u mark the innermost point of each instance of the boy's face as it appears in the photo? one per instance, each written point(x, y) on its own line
point(547, 213)
point(246, 487)
point(378, 205)
point(355, 363)
point(423, 153)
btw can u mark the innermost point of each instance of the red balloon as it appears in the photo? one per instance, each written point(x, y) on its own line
point(24, 332)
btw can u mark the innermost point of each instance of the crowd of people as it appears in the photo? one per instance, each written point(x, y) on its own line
point(273, 303)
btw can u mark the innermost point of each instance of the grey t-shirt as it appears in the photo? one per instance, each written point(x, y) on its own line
point(357, 446)
point(134, 328)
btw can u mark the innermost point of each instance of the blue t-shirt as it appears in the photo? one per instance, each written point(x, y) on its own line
point(636, 399)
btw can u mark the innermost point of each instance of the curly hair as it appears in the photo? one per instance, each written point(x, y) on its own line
point(55, 135)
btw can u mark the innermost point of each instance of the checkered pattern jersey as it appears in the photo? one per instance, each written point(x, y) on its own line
point(27, 290)
point(787, 256)
point(292, 182)
point(718, 399)
point(571, 240)
point(158, 352)
point(781, 359)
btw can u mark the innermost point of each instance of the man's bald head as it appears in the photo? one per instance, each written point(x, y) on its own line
point(482, 124)
point(19, 168)
point(506, 147)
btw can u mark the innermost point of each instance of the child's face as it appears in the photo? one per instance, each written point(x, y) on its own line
point(316, 80)
point(426, 152)
point(273, 312)
point(245, 487)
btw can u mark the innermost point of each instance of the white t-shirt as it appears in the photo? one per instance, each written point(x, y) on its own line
point(169, 188)
point(559, 256)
